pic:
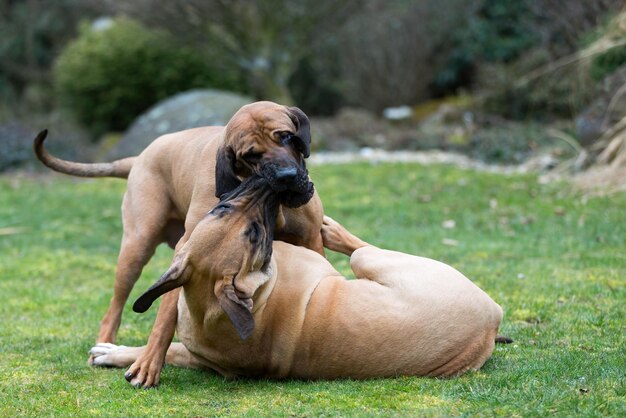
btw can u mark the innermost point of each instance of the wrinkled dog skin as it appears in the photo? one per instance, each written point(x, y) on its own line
point(250, 308)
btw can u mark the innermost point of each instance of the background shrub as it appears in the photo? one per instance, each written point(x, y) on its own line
point(494, 31)
point(607, 63)
point(31, 35)
point(266, 41)
point(503, 41)
point(559, 93)
point(108, 77)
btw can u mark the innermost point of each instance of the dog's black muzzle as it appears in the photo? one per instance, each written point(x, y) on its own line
point(291, 182)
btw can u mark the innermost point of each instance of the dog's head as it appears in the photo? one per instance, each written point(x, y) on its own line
point(269, 140)
point(229, 250)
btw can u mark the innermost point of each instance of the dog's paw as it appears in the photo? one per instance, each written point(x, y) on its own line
point(337, 238)
point(104, 354)
point(144, 373)
point(331, 232)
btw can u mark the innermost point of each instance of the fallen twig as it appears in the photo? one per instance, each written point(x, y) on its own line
point(12, 231)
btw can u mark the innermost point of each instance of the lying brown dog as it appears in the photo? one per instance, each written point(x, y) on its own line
point(179, 177)
point(248, 311)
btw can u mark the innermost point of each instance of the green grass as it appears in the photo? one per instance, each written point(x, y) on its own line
point(553, 259)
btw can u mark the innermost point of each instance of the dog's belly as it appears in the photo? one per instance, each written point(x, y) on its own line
point(362, 329)
point(173, 232)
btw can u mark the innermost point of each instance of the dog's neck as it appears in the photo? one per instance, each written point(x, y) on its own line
point(203, 305)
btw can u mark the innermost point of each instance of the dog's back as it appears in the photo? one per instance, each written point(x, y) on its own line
point(182, 164)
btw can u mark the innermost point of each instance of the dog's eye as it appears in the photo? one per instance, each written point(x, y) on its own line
point(285, 137)
point(252, 157)
point(254, 233)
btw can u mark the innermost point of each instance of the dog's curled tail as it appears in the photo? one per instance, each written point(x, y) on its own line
point(120, 168)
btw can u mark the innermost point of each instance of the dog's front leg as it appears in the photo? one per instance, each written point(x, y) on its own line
point(146, 370)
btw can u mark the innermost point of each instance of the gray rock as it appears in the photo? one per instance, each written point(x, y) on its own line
point(15, 144)
point(186, 110)
point(65, 140)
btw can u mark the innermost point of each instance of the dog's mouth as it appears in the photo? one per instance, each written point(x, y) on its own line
point(291, 183)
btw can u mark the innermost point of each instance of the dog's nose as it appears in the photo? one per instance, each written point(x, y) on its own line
point(286, 173)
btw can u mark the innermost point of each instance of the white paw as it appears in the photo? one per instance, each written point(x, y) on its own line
point(103, 353)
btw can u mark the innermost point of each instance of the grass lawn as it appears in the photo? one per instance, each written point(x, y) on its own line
point(553, 259)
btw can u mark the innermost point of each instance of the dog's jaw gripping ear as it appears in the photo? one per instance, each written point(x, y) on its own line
point(239, 310)
point(303, 129)
point(295, 200)
point(174, 277)
point(225, 178)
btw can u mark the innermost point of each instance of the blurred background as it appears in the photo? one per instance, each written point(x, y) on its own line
point(540, 82)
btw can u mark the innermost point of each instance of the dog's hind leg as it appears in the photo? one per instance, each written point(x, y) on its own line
point(367, 262)
point(385, 267)
point(378, 265)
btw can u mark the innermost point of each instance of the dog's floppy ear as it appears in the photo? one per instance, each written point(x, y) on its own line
point(303, 129)
point(225, 177)
point(174, 277)
point(238, 310)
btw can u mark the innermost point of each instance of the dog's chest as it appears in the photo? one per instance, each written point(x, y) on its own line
point(213, 338)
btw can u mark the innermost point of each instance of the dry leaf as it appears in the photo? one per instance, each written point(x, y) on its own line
point(11, 231)
point(450, 242)
point(448, 224)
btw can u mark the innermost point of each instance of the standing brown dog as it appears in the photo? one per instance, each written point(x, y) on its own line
point(180, 176)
